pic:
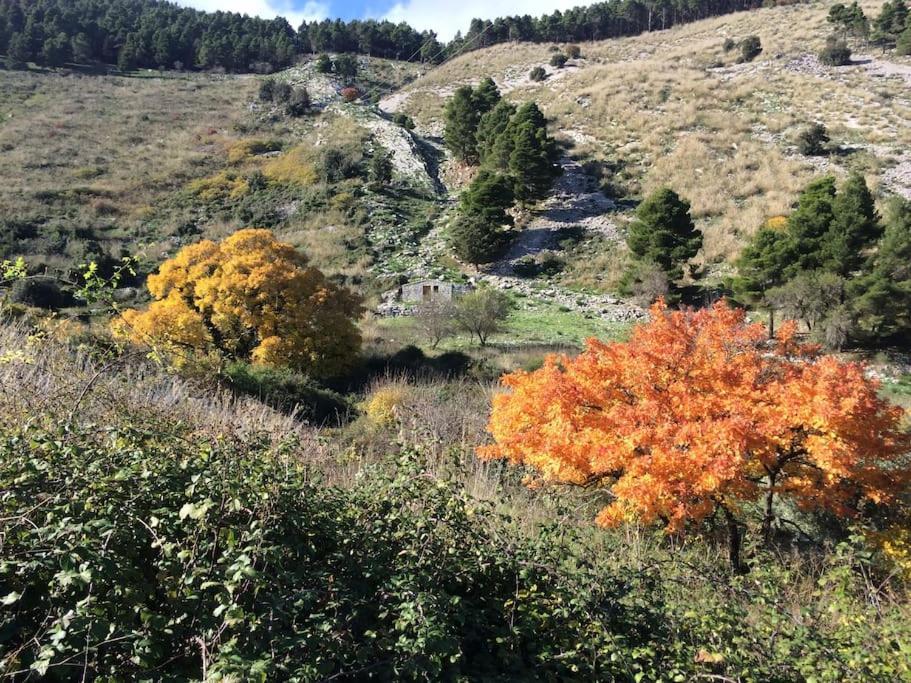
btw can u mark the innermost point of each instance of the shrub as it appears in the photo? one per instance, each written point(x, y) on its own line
point(403, 120)
point(537, 74)
point(336, 164)
point(282, 92)
point(288, 391)
point(346, 67)
point(323, 64)
point(750, 48)
point(148, 549)
point(267, 90)
point(226, 185)
point(813, 140)
point(350, 94)
point(382, 405)
point(41, 293)
point(835, 53)
point(241, 150)
point(298, 103)
point(294, 167)
point(728, 45)
point(573, 51)
point(380, 168)
point(558, 61)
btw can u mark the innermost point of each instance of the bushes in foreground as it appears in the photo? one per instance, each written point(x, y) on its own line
point(132, 554)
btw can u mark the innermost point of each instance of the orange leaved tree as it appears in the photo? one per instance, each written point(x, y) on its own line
point(699, 415)
point(249, 298)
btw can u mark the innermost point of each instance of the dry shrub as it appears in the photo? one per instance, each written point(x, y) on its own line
point(240, 151)
point(294, 167)
point(221, 186)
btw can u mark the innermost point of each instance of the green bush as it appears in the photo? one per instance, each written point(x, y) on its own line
point(750, 48)
point(298, 103)
point(558, 61)
point(813, 140)
point(835, 53)
point(403, 120)
point(154, 558)
point(41, 293)
point(148, 554)
point(323, 64)
point(537, 74)
point(288, 391)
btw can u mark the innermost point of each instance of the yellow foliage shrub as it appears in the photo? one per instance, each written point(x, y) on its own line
point(342, 201)
point(895, 544)
point(224, 185)
point(776, 223)
point(294, 167)
point(383, 404)
point(241, 150)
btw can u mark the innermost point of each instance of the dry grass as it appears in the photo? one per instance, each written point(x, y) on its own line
point(97, 152)
point(672, 108)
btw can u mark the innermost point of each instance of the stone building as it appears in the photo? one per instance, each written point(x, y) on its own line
point(431, 290)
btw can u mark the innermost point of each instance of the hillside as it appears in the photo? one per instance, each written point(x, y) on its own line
point(350, 372)
point(674, 108)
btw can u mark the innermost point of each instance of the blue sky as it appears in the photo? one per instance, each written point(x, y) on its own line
point(443, 16)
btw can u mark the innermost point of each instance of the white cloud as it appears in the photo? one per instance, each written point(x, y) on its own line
point(450, 16)
point(267, 9)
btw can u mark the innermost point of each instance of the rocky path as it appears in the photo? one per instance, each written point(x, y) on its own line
point(575, 203)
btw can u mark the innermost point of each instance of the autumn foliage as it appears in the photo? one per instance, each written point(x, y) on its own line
point(249, 298)
point(698, 414)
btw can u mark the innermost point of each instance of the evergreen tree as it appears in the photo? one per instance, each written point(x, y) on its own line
point(486, 96)
point(18, 52)
point(808, 225)
point(855, 227)
point(474, 240)
point(761, 267)
point(488, 197)
point(882, 301)
point(461, 116)
point(663, 233)
point(529, 162)
point(491, 127)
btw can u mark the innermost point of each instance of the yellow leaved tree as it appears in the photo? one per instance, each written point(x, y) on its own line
point(249, 298)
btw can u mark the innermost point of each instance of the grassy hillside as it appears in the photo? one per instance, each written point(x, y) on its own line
point(674, 108)
point(97, 164)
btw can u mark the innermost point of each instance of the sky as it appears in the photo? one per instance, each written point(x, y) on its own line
point(443, 16)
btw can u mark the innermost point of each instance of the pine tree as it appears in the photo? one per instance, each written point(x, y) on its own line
point(529, 163)
point(762, 266)
point(488, 197)
point(854, 229)
point(809, 224)
point(491, 127)
point(882, 301)
point(663, 233)
point(475, 240)
point(462, 118)
point(486, 96)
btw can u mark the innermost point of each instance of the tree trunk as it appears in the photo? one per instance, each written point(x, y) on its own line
point(734, 542)
point(769, 510)
point(771, 323)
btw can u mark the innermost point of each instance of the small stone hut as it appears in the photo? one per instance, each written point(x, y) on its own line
point(431, 290)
